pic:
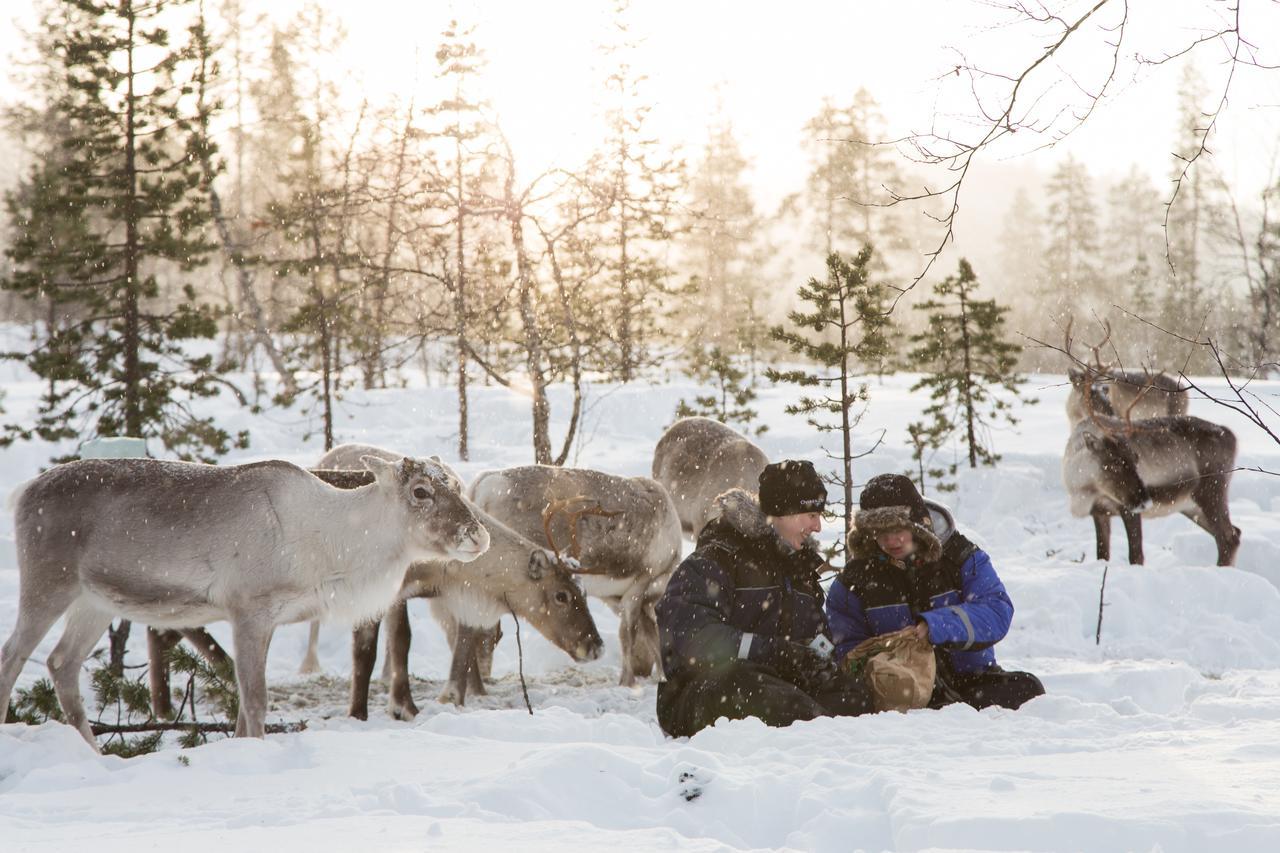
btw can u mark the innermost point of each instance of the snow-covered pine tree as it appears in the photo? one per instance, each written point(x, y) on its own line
point(120, 189)
point(966, 361)
point(846, 332)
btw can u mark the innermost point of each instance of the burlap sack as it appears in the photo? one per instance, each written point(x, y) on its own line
point(900, 668)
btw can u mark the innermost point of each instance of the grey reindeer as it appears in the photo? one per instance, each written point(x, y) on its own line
point(698, 459)
point(179, 545)
point(514, 575)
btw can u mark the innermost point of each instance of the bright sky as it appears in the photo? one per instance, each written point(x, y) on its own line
point(770, 65)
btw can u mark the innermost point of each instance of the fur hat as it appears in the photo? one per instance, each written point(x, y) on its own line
point(791, 487)
point(891, 502)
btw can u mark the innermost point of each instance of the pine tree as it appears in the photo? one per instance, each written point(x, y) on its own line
point(316, 217)
point(1072, 280)
point(848, 328)
point(122, 197)
point(637, 180)
point(845, 193)
point(464, 130)
point(730, 400)
point(1022, 270)
point(1132, 252)
point(718, 244)
point(1195, 215)
point(966, 361)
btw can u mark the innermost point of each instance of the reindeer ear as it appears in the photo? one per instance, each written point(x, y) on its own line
point(539, 564)
point(383, 471)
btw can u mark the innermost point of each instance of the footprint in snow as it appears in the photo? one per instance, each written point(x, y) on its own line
point(690, 783)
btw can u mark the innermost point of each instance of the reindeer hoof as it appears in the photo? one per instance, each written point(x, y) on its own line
point(450, 696)
point(405, 712)
point(310, 666)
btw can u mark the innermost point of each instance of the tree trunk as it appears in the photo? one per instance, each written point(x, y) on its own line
point(532, 332)
point(846, 429)
point(460, 310)
point(132, 322)
point(966, 379)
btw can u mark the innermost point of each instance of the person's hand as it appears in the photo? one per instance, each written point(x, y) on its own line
point(804, 661)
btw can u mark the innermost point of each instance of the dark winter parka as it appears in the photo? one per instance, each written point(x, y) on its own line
point(742, 592)
point(948, 582)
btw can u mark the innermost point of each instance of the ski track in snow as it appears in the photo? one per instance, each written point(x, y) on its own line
point(1163, 736)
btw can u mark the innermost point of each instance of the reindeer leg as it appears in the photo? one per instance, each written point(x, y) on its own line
point(1133, 531)
point(36, 615)
point(85, 625)
point(158, 645)
point(1102, 534)
point(481, 662)
point(1212, 514)
point(463, 650)
point(252, 638)
point(364, 651)
point(399, 636)
point(311, 660)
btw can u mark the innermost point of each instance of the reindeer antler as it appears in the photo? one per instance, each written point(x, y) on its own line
point(562, 507)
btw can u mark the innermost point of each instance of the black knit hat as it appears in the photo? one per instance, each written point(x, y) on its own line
point(891, 502)
point(790, 487)
point(894, 490)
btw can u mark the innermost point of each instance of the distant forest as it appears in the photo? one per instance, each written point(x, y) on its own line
point(192, 171)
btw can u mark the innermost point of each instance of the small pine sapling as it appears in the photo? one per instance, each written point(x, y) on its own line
point(845, 334)
point(966, 361)
point(730, 401)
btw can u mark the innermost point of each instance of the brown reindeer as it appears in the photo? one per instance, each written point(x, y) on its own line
point(1117, 465)
point(627, 549)
point(697, 460)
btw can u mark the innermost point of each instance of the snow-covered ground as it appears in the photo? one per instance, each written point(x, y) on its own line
point(1165, 736)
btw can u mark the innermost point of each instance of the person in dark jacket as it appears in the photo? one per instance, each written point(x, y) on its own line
point(741, 624)
point(909, 566)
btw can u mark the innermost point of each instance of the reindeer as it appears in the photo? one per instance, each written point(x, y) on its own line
point(1115, 465)
point(514, 575)
point(179, 545)
point(697, 460)
point(623, 531)
point(1132, 394)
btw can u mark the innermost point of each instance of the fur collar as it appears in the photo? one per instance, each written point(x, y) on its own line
point(868, 522)
point(740, 510)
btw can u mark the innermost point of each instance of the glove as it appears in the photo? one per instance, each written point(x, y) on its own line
point(812, 665)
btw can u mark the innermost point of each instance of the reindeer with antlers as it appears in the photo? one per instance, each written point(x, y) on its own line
point(1118, 464)
point(622, 534)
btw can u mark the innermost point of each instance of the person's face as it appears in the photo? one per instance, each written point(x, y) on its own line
point(898, 543)
point(793, 529)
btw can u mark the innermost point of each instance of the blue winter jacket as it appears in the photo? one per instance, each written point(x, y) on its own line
point(959, 596)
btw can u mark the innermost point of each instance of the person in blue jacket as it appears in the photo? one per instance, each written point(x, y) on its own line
point(741, 625)
point(908, 566)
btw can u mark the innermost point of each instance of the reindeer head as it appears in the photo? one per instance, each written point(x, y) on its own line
point(558, 607)
point(441, 523)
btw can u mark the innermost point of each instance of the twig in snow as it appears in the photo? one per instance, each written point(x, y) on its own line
point(519, 656)
point(1097, 637)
